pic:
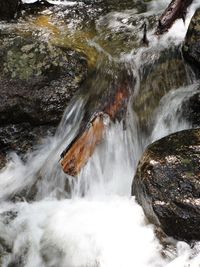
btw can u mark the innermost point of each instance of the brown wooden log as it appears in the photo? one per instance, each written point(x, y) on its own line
point(119, 103)
point(78, 154)
point(114, 106)
point(177, 9)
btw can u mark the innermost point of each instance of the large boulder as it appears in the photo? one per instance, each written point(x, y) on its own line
point(37, 80)
point(191, 47)
point(167, 184)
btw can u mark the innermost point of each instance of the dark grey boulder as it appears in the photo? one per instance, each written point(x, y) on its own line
point(167, 184)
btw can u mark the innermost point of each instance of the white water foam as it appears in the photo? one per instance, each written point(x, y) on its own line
point(168, 116)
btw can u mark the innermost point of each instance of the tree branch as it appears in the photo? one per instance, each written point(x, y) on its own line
point(177, 9)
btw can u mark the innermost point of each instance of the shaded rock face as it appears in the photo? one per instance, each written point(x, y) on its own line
point(21, 138)
point(37, 80)
point(191, 110)
point(8, 9)
point(191, 47)
point(167, 184)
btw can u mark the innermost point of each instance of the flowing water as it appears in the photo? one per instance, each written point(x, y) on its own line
point(97, 224)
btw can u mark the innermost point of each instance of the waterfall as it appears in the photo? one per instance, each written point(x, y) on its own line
point(96, 223)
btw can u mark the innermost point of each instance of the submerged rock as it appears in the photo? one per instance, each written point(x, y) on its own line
point(191, 47)
point(167, 184)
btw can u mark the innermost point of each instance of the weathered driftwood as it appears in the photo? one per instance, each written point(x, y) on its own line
point(177, 9)
point(114, 106)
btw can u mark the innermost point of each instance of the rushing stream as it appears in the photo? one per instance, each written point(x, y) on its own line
point(97, 224)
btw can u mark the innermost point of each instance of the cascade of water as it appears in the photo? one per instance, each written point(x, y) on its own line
point(100, 225)
point(168, 116)
point(106, 227)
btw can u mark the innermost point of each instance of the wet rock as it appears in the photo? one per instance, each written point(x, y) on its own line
point(2, 160)
point(117, 5)
point(6, 217)
point(191, 110)
point(85, 13)
point(191, 47)
point(21, 137)
point(123, 31)
point(155, 82)
point(37, 81)
point(167, 184)
point(8, 9)
point(5, 250)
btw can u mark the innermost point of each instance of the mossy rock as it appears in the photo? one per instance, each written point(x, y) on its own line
point(37, 80)
point(167, 184)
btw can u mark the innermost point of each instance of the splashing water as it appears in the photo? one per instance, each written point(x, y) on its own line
point(99, 224)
